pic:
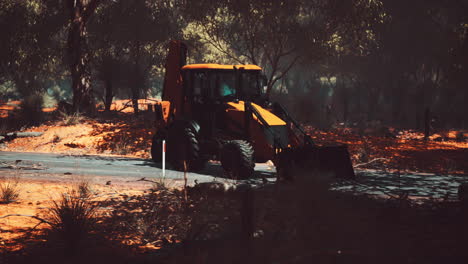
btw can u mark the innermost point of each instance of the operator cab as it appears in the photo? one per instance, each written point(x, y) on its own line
point(223, 83)
point(208, 89)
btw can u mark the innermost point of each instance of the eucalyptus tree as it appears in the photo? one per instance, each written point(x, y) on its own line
point(408, 68)
point(278, 34)
point(130, 37)
point(30, 47)
point(80, 12)
point(248, 31)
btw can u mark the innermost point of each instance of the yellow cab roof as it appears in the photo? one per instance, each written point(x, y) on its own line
point(214, 66)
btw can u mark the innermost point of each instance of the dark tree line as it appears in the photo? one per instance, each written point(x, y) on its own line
point(330, 61)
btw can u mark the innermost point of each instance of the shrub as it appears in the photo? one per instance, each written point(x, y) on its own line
point(71, 219)
point(9, 190)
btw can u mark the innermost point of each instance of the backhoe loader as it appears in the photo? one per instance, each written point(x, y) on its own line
point(220, 112)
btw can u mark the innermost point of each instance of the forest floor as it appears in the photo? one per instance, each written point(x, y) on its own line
point(37, 196)
point(117, 133)
point(126, 211)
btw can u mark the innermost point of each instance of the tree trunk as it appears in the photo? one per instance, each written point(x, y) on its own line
point(135, 101)
point(427, 123)
point(109, 95)
point(137, 81)
point(80, 10)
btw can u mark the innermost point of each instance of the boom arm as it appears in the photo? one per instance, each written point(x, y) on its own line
point(173, 86)
point(294, 128)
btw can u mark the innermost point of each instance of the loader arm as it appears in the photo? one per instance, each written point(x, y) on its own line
point(301, 151)
point(298, 136)
point(277, 142)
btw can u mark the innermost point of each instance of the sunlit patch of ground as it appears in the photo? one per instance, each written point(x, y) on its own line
point(117, 133)
point(91, 137)
point(407, 151)
point(36, 197)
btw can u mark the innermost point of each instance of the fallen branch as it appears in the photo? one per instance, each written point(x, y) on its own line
point(13, 135)
point(367, 163)
point(32, 216)
point(27, 134)
point(144, 179)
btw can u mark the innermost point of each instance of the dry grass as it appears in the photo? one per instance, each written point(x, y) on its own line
point(70, 119)
point(122, 147)
point(298, 222)
point(83, 189)
point(71, 220)
point(153, 219)
point(9, 189)
point(302, 222)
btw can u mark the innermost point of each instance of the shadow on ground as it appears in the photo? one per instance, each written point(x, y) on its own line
point(298, 223)
point(213, 169)
point(414, 184)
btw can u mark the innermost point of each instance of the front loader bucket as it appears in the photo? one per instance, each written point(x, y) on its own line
point(334, 159)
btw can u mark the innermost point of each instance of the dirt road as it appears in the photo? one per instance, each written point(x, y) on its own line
point(118, 167)
point(44, 165)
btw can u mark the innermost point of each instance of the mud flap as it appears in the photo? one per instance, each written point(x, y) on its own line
point(334, 159)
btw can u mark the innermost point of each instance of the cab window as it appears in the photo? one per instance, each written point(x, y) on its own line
point(227, 84)
point(199, 80)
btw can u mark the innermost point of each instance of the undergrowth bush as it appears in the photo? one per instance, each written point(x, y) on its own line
point(9, 189)
point(156, 218)
point(71, 219)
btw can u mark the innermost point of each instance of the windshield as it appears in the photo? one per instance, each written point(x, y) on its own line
point(251, 84)
point(244, 87)
point(240, 84)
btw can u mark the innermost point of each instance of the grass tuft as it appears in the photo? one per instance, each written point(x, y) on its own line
point(72, 219)
point(9, 190)
point(84, 189)
point(71, 119)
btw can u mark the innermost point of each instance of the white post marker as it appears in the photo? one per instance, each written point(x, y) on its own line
point(164, 158)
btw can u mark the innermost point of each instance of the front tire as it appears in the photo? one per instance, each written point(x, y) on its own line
point(183, 145)
point(237, 159)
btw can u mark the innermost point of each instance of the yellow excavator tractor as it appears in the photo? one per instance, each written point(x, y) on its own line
point(220, 112)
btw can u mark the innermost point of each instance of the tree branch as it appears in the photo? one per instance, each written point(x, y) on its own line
point(215, 43)
point(283, 73)
point(32, 216)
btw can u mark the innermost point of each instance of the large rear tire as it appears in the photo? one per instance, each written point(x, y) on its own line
point(183, 145)
point(237, 159)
